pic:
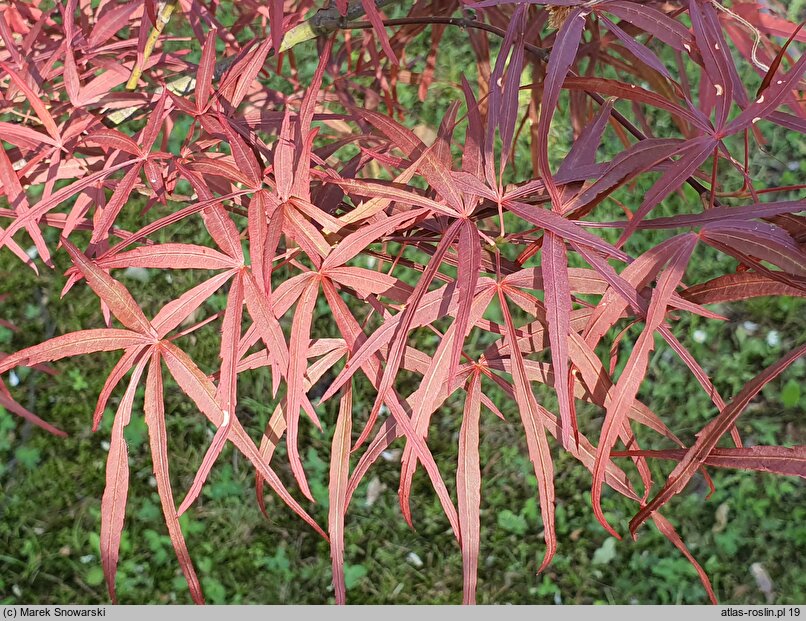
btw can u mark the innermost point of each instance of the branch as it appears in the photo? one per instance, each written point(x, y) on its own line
point(326, 21)
point(541, 53)
point(321, 23)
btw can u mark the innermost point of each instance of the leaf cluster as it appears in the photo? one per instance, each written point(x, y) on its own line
point(315, 194)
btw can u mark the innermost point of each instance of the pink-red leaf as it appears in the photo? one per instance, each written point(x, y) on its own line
point(201, 390)
point(170, 256)
point(74, 344)
point(468, 488)
point(113, 503)
point(788, 461)
point(297, 363)
point(535, 431)
point(558, 306)
point(627, 386)
point(337, 490)
point(114, 294)
point(735, 287)
point(204, 78)
point(711, 434)
point(158, 439)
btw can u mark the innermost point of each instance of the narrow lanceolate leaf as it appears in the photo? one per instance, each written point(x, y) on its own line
point(22, 136)
point(226, 393)
point(716, 215)
point(398, 345)
point(276, 23)
point(113, 503)
point(436, 173)
point(275, 429)
point(123, 366)
point(213, 451)
point(535, 431)
point(284, 159)
point(468, 488)
point(337, 490)
point(244, 157)
point(432, 306)
point(640, 305)
point(770, 99)
point(390, 192)
point(362, 280)
point(716, 59)
point(73, 344)
point(789, 461)
point(306, 134)
point(216, 219)
point(558, 307)
point(7, 402)
point(378, 27)
point(511, 88)
point(668, 531)
point(583, 451)
point(432, 392)
point(711, 434)
point(201, 390)
point(110, 22)
point(204, 78)
point(776, 63)
point(158, 439)
point(638, 274)
point(562, 55)
point(469, 249)
point(114, 139)
point(297, 363)
point(176, 311)
point(5, 240)
point(169, 256)
point(258, 229)
point(114, 294)
point(639, 158)
point(42, 207)
point(759, 239)
point(36, 104)
point(118, 199)
point(267, 327)
point(303, 232)
point(627, 386)
point(497, 104)
point(355, 243)
point(247, 72)
point(18, 200)
point(564, 228)
point(692, 155)
point(473, 153)
point(741, 286)
point(352, 333)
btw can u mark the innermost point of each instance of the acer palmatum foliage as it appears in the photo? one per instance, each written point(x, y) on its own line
point(319, 195)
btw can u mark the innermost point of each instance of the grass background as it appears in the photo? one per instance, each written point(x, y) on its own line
point(751, 530)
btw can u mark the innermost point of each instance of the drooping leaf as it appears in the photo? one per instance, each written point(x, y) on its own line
point(113, 503)
point(337, 490)
point(158, 439)
point(297, 363)
point(468, 488)
point(711, 434)
point(627, 386)
point(535, 437)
